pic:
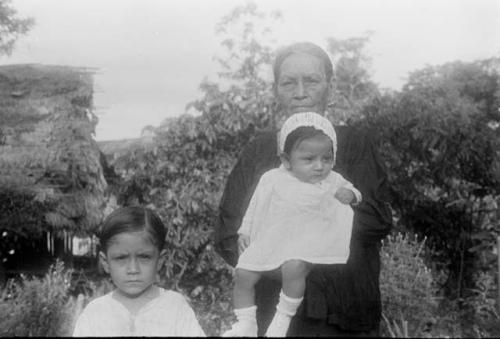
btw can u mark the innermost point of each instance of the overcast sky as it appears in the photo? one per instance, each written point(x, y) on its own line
point(153, 54)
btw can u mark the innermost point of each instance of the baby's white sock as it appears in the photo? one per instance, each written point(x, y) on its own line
point(285, 310)
point(246, 326)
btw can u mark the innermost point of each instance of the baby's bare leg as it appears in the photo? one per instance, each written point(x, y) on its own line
point(244, 288)
point(244, 304)
point(294, 273)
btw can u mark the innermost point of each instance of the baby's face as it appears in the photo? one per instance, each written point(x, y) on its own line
point(312, 160)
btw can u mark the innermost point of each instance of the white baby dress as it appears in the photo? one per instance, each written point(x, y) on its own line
point(290, 219)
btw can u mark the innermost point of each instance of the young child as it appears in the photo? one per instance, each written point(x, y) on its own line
point(132, 240)
point(299, 215)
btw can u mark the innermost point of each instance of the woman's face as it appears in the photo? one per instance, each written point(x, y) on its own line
point(302, 85)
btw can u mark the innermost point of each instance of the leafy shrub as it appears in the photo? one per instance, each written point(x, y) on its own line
point(212, 303)
point(38, 306)
point(439, 138)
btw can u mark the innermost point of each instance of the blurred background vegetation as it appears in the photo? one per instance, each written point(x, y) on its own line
point(439, 140)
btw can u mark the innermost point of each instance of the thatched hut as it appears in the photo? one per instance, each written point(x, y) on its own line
point(51, 170)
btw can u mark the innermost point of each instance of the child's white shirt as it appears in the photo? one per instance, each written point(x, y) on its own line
point(290, 219)
point(169, 314)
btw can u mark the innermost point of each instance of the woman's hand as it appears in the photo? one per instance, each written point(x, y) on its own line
point(345, 196)
point(243, 242)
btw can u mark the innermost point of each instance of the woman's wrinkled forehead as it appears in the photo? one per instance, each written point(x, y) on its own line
point(307, 49)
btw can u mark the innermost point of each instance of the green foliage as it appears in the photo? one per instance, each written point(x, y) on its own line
point(440, 143)
point(212, 304)
point(352, 87)
point(407, 287)
point(245, 71)
point(246, 39)
point(480, 307)
point(37, 307)
point(11, 27)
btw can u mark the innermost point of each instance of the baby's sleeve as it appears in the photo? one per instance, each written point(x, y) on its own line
point(343, 182)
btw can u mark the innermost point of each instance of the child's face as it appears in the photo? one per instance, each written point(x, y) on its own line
point(133, 261)
point(311, 160)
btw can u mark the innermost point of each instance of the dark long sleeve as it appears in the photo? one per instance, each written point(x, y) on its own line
point(360, 163)
point(232, 207)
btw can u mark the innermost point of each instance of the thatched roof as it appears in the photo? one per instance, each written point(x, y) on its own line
point(46, 144)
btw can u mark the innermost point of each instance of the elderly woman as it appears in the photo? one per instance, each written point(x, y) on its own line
point(340, 300)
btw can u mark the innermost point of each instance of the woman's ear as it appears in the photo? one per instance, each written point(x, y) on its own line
point(104, 262)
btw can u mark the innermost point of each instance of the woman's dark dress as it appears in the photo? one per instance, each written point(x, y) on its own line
point(338, 297)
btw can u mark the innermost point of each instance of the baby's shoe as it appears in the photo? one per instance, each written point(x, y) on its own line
point(242, 329)
point(279, 325)
point(285, 310)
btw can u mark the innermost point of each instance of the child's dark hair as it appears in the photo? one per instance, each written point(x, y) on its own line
point(132, 219)
point(300, 134)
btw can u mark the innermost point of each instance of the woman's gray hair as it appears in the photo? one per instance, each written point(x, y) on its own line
point(303, 48)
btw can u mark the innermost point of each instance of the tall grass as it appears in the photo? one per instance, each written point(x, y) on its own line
point(407, 287)
point(38, 307)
